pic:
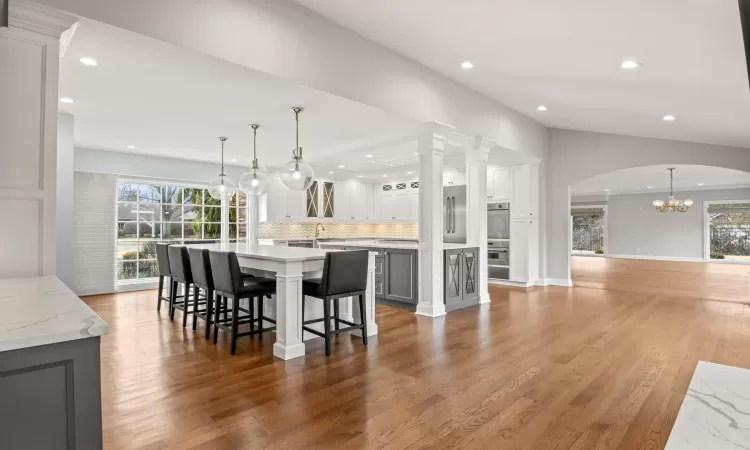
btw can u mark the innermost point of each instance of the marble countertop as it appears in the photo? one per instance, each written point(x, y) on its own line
point(715, 413)
point(42, 310)
point(269, 252)
point(375, 243)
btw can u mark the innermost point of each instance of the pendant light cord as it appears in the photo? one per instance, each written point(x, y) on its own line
point(255, 137)
point(297, 153)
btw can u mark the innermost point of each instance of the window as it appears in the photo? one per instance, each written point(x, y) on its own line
point(152, 213)
point(588, 230)
point(729, 230)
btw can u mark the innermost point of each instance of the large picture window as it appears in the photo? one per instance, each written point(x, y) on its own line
point(588, 230)
point(729, 231)
point(152, 213)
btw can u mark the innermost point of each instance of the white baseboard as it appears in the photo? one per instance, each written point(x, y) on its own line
point(137, 286)
point(430, 310)
point(657, 258)
point(556, 282)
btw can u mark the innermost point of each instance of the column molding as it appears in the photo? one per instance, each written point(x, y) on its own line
point(431, 147)
point(39, 18)
point(476, 200)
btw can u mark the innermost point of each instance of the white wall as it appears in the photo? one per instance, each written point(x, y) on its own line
point(574, 156)
point(636, 228)
point(287, 40)
point(65, 203)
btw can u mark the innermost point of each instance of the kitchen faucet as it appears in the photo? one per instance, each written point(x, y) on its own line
point(317, 233)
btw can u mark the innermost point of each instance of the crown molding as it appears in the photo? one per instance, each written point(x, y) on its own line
point(40, 18)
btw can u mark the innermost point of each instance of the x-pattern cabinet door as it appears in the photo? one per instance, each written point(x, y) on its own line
point(469, 272)
point(453, 272)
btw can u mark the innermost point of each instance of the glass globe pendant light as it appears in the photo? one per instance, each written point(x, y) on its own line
point(297, 175)
point(255, 181)
point(221, 185)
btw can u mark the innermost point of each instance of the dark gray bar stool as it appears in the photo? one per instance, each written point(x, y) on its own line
point(162, 260)
point(344, 275)
point(200, 266)
point(230, 283)
point(179, 266)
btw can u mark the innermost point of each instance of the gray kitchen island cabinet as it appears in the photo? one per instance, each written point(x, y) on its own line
point(400, 275)
point(460, 274)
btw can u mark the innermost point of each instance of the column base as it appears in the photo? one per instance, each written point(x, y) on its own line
point(286, 352)
point(484, 297)
point(430, 310)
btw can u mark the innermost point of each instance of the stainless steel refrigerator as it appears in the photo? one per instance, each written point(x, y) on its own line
point(454, 214)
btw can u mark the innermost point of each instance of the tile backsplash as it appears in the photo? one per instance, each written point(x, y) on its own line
point(291, 230)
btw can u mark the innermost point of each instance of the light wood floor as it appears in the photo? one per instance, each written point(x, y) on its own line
point(547, 368)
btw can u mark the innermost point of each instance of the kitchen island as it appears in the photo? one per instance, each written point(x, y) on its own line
point(50, 382)
point(396, 271)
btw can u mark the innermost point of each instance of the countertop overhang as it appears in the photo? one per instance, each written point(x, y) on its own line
point(43, 310)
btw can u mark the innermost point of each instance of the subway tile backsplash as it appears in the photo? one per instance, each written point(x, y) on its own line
point(296, 230)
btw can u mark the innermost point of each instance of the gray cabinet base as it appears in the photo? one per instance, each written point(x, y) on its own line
point(460, 304)
point(396, 304)
point(51, 396)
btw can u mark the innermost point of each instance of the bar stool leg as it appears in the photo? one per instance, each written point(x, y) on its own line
point(196, 291)
point(172, 298)
point(336, 313)
point(363, 315)
point(217, 318)
point(158, 293)
point(185, 303)
point(251, 308)
point(261, 300)
point(327, 324)
point(235, 314)
point(209, 311)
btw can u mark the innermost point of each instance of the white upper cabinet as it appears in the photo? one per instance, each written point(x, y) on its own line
point(397, 201)
point(498, 183)
point(283, 204)
point(341, 200)
point(350, 201)
point(524, 199)
point(454, 178)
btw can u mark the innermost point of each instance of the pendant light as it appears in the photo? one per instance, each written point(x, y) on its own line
point(255, 181)
point(297, 175)
point(672, 205)
point(221, 185)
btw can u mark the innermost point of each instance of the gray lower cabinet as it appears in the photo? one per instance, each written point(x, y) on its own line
point(51, 397)
point(460, 271)
point(400, 279)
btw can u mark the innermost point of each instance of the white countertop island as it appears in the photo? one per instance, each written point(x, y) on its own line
point(42, 310)
point(715, 413)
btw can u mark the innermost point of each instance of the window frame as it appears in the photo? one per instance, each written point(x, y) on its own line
point(136, 239)
point(707, 231)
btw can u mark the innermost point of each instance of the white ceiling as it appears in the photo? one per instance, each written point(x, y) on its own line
point(566, 55)
point(686, 178)
point(169, 101)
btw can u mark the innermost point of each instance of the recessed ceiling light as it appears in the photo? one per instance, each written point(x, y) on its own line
point(701, 184)
point(408, 173)
point(66, 100)
point(341, 166)
point(630, 64)
point(541, 108)
point(467, 65)
point(385, 176)
point(368, 156)
point(234, 159)
point(668, 118)
point(89, 61)
point(131, 147)
point(330, 173)
point(649, 187)
point(416, 153)
point(606, 190)
point(359, 176)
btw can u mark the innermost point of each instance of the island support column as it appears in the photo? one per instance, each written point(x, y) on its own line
point(289, 343)
point(476, 201)
point(431, 150)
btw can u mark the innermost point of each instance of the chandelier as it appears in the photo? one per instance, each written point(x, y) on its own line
point(672, 205)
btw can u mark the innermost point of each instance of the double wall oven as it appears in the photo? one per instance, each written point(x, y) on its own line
point(498, 241)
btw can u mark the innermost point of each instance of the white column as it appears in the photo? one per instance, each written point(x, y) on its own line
point(431, 148)
point(476, 202)
point(29, 62)
point(372, 327)
point(224, 217)
point(289, 343)
point(253, 218)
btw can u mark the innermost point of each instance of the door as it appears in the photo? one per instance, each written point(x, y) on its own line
point(458, 210)
point(400, 275)
point(501, 183)
point(447, 215)
point(469, 273)
point(295, 204)
point(524, 191)
point(519, 252)
point(452, 271)
point(328, 198)
point(399, 205)
point(341, 201)
point(312, 204)
point(414, 204)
